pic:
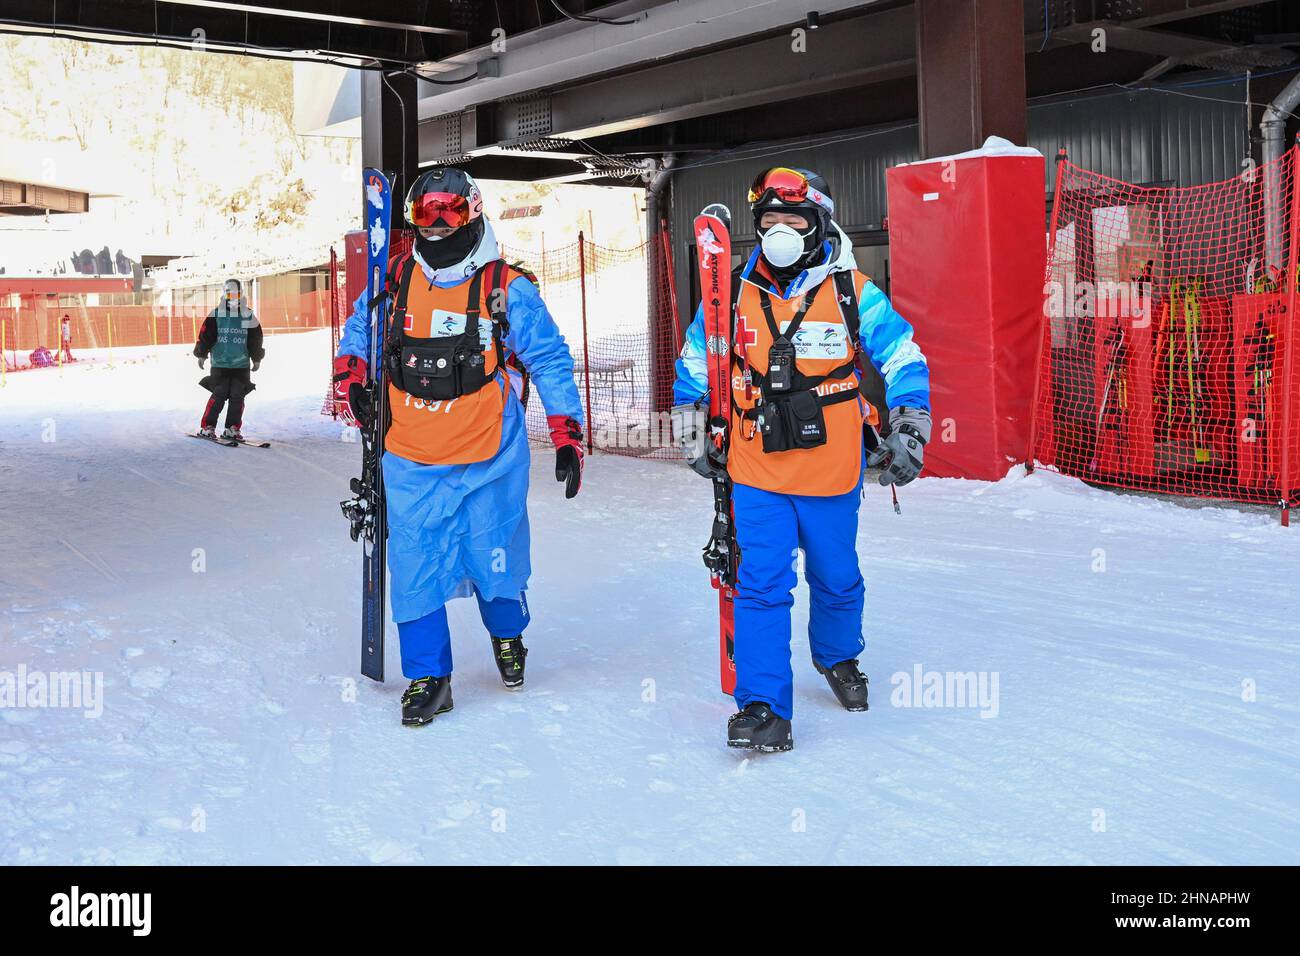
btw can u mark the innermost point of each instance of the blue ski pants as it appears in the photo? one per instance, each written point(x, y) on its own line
point(426, 641)
point(771, 529)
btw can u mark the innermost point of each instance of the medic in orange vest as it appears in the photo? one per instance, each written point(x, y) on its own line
point(803, 316)
point(463, 327)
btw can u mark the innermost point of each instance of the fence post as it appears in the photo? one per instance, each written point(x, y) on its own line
point(3, 363)
point(108, 320)
point(1045, 327)
point(586, 352)
point(1288, 396)
point(153, 319)
point(672, 286)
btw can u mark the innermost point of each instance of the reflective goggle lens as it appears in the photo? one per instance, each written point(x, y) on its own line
point(789, 185)
point(439, 209)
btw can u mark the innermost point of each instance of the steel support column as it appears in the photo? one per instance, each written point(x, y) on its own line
point(970, 73)
point(389, 138)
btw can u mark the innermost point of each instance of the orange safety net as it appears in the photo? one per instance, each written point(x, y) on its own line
point(615, 308)
point(127, 326)
point(1166, 354)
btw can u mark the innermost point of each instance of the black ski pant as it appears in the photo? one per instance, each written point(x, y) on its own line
point(227, 384)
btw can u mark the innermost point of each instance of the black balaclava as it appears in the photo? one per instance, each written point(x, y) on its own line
point(440, 253)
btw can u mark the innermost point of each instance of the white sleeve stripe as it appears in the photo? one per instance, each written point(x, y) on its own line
point(906, 353)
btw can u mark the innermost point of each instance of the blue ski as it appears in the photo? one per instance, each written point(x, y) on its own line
point(366, 511)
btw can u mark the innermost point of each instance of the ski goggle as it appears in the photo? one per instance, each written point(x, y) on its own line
point(790, 186)
point(439, 209)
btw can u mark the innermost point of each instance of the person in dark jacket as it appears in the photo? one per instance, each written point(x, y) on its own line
point(232, 336)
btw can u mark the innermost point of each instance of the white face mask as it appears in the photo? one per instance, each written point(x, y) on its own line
point(782, 246)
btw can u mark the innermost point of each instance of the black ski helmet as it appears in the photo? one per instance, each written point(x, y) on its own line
point(791, 189)
point(448, 197)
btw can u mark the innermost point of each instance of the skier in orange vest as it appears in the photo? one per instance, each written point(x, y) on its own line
point(803, 314)
point(462, 326)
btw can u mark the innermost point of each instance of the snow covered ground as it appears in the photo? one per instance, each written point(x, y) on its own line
point(1145, 655)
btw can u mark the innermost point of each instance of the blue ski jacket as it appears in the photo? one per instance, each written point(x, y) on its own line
point(885, 337)
point(453, 528)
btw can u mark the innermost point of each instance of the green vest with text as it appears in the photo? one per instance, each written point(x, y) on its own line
point(233, 323)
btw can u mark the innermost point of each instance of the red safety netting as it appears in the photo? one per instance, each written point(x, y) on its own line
point(339, 307)
point(108, 327)
point(1165, 363)
point(615, 310)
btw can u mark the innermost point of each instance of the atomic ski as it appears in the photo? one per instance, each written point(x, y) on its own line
point(721, 554)
point(252, 442)
point(366, 511)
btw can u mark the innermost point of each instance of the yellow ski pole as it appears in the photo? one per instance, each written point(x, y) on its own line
point(1192, 316)
point(1172, 319)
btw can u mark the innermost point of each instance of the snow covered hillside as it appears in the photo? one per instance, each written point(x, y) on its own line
point(1134, 664)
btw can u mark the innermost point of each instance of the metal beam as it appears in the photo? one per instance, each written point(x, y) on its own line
point(522, 169)
point(317, 14)
point(575, 156)
point(1180, 46)
point(1139, 13)
point(840, 55)
point(567, 52)
point(289, 30)
point(1131, 13)
point(1155, 12)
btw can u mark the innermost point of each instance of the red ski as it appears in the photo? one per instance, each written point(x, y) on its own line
point(721, 555)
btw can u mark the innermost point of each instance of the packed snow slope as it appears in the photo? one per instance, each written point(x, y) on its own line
point(1145, 654)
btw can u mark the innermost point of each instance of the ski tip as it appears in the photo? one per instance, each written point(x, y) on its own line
point(719, 211)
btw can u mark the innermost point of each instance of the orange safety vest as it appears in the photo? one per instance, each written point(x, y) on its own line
point(466, 428)
point(825, 358)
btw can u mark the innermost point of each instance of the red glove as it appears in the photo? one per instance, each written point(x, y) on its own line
point(350, 389)
point(566, 435)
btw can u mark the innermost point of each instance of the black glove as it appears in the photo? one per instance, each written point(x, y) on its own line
point(568, 468)
point(690, 431)
point(566, 435)
point(256, 363)
point(359, 401)
point(901, 453)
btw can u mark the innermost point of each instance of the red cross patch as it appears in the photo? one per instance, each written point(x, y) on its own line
point(744, 334)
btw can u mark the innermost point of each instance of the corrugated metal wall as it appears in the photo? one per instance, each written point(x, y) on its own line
point(1143, 137)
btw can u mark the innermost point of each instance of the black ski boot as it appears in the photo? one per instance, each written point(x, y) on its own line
point(848, 683)
point(426, 698)
point(510, 653)
point(758, 728)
